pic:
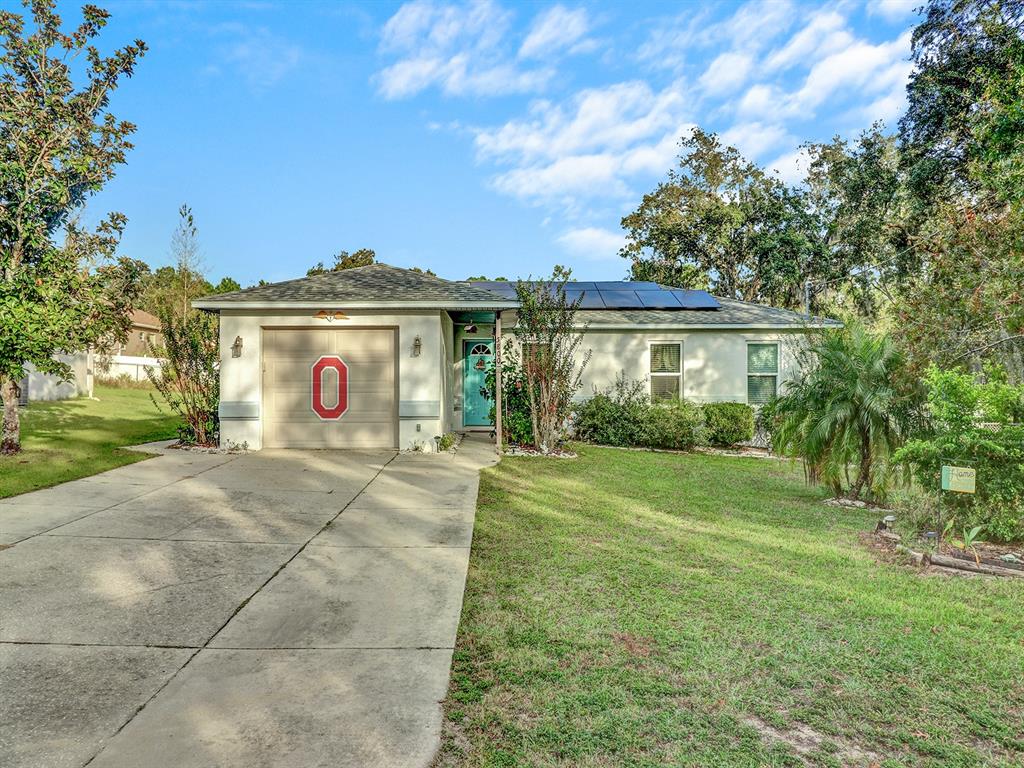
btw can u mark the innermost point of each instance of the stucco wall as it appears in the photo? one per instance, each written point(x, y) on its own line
point(45, 386)
point(420, 380)
point(714, 361)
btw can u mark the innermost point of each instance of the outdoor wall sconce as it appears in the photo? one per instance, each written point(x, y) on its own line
point(236, 348)
point(330, 317)
point(417, 346)
point(471, 328)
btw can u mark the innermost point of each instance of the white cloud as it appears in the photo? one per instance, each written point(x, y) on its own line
point(592, 242)
point(823, 34)
point(858, 69)
point(755, 139)
point(753, 26)
point(588, 147)
point(727, 73)
point(893, 10)
point(554, 30)
point(791, 167)
point(610, 118)
point(457, 48)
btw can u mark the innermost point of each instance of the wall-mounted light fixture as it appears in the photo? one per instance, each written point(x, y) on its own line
point(417, 346)
point(471, 328)
point(330, 317)
point(236, 348)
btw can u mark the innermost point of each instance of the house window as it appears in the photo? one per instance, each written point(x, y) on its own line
point(762, 372)
point(666, 371)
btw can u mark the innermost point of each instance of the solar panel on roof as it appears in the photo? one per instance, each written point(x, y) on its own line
point(580, 286)
point(620, 299)
point(592, 300)
point(690, 299)
point(660, 299)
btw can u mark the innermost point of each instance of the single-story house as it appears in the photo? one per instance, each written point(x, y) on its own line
point(382, 357)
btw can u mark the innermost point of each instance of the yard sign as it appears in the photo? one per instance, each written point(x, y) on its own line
point(958, 479)
point(335, 412)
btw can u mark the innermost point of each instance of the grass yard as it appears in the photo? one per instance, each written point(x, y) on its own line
point(641, 609)
point(68, 439)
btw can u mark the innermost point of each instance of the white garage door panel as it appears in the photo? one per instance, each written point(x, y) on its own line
point(371, 420)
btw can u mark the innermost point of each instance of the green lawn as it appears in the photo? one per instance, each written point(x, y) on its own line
point(640, 609)
point(68, 439)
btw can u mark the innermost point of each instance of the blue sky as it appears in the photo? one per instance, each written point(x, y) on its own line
point(484, 137)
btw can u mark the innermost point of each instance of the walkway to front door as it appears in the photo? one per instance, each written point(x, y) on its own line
point(476, 409)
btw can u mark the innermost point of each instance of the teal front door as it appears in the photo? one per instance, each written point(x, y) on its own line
point(475, 360)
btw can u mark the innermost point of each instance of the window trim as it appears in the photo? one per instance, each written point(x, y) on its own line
point(651, 374)
point(778, 366)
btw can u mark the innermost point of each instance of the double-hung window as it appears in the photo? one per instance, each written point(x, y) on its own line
point(666, 371)
point(762, 372)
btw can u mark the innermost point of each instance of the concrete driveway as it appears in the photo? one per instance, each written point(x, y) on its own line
point(285, 608)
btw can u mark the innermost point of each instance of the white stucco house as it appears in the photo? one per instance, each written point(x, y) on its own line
point(382, 357)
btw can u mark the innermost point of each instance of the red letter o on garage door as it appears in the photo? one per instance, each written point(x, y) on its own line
point(341, 403)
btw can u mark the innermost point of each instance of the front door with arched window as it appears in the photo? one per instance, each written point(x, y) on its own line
point(476, 360)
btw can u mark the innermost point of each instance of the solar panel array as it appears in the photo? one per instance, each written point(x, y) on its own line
point(622, 294)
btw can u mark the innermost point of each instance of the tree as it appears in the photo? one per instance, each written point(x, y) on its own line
point(959, 48)
point(549, 338)
point(856, 194)
point(226, 285)
point(483, 278)
point(722, 223)
point(364, 257)
point(966, 305)
point(852, 404)
point(189, 377)
point(60, 144)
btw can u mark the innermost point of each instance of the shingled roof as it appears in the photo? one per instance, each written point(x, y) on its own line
point(380, 286)
point(376, 285)
point(731, 312)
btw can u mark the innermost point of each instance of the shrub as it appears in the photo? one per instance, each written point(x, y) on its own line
point(676, 425)
point(189, 380)
point(516, 424)
point(851, 407)
point(957, 403)
point(623, 415)
point(124, 381)
point(616, 416)
point(726, 424)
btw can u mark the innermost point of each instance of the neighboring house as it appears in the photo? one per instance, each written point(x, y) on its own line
point(130, 358)
point(135, 355)
point(381, 357)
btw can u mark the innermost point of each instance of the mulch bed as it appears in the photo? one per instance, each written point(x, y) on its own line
point(948, 558)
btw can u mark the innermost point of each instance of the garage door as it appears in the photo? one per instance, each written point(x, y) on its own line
point(329, 388)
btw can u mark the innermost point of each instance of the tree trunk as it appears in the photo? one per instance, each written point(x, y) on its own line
point(864, 472)
point(10, 442)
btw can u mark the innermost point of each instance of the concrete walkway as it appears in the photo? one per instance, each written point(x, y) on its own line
point(284, 608)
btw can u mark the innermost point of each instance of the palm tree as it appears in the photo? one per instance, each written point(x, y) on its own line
point(852, 407)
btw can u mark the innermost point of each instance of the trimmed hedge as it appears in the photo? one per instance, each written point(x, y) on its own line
point(623, 415)
point(726, 424)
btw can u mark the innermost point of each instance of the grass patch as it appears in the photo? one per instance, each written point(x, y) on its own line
point(640, 609)
point(68, 439)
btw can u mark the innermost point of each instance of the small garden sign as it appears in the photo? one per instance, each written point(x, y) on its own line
point(958, 479)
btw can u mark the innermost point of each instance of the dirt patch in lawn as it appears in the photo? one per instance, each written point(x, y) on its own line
point(805, 742)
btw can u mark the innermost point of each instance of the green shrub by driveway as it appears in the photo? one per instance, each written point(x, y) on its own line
point(647, 609)
point(69, 439)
